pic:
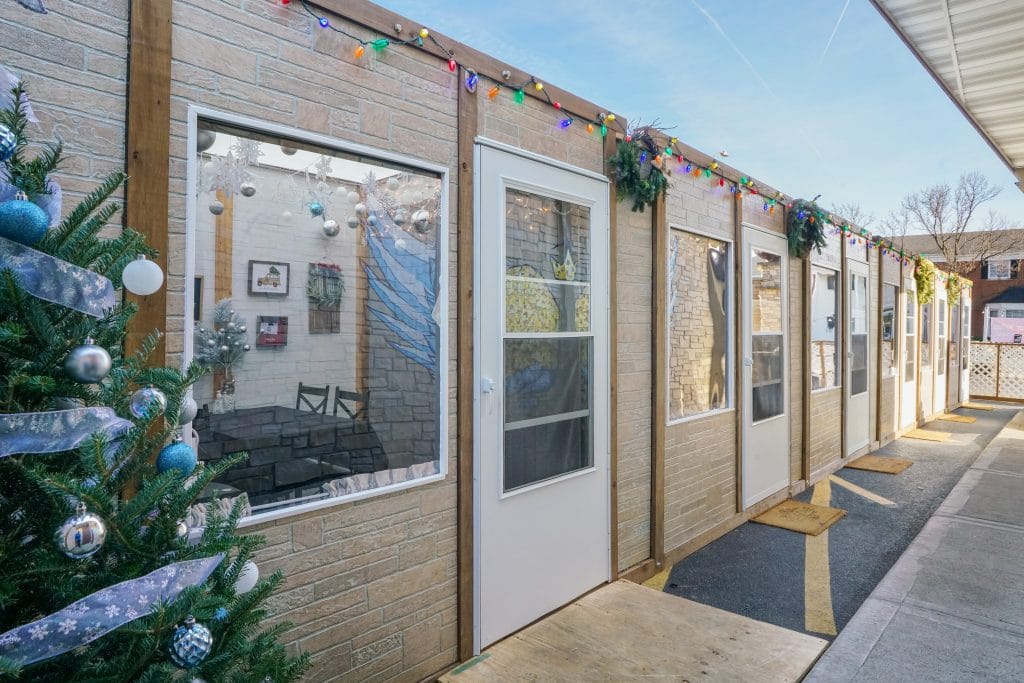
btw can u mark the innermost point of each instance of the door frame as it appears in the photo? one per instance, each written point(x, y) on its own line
point(902, 421)
point(745, 346)
point(852, 264)
point(479, 143)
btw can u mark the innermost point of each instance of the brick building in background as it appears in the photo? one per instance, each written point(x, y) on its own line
point(998, 281)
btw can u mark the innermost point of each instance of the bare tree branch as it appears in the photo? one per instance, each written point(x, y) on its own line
point(854, 213)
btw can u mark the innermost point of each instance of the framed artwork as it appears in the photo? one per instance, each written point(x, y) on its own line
point(268, 278)
point(197, 299)
point(272, 330)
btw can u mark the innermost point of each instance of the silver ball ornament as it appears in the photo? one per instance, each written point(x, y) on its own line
point(188, 410)
point(210, 342)
point(242, 328)
point(331, 227)
point(352, 222)
point(190, 643)
point(216, 207)
point(247, 189)
point(288, 151)
point(421, 220)
point(88, 363)
point(401, 216)
point(147, 401)
point(393, 184)
point(225, 348)
point(181, 529)
point(246, 347)
point(81, 535)
point(353, 197)
point(205, 139)
point(360, 209)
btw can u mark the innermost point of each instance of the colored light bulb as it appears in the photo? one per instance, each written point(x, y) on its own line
point(556, 104)
point(610, 117)
point(471, 81)
point(668, 151)
point(424, 33)
point(764, 207)
point(743, 180)
point(538, 86)
point(566, 123)
point(380, 44)
point(324, 23)
point(519, 96)
point(707, 172)
point(590, 128)
point(452, 64)
point(629, 138)
point(643, 157)
point(721, 182)
point(714, 165)
point(689, 167)
point(604, 130)
point(360, 51)
point(493, 92)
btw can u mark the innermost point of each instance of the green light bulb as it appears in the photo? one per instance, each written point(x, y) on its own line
point(380, 44)
point(604, 130)
point(520, 96)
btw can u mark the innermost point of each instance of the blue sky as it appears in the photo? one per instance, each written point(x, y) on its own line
point(862, 122)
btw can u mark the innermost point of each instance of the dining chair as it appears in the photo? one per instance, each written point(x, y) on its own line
point(315, 398)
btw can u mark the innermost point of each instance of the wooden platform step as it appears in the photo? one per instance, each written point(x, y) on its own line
point(626, 632)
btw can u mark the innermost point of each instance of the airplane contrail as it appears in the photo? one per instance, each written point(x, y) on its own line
point(834, 30)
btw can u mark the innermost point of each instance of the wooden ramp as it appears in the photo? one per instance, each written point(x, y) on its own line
point(625, 632)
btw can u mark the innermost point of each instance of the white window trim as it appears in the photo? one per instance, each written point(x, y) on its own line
point(840, 332)
point(195, 112)
point(730, 326)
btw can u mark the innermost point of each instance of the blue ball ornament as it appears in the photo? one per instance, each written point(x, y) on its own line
point(8, 143)
point(22, 221)
point(190, 644)
point(316, 208)
point(176, 455)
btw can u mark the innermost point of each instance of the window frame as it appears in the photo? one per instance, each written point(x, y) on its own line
point(730, 326)
point(989, 263)
point(839, 329)
point(194, 114)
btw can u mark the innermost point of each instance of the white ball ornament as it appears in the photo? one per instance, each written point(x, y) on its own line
point(331, 227)
point(353, 197)
point(352, 222)
point(188, 411)
point(142, 276)
point(247, 578)
point(247, 189)
point(421, 220)
point(400, 244)
point(286, 216)
point(360, 209)
point(216, 207)
point(393, 183)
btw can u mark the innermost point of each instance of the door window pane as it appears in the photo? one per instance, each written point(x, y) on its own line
point(889, 294)
point(766, 292)
point(824, 328)
point(698, 327)
point(858, 334)
point(767, 339)
point(545, 377)
point(766, 376)
point(926, 335)
point(910, 337)
point(940, 337)
point(545, 451)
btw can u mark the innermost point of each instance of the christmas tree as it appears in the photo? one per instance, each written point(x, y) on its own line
point(100, 577)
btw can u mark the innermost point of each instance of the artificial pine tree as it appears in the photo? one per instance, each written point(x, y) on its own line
point(52, 388)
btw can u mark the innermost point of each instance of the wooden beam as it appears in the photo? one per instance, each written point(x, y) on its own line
point(847, 334)
point(467, 130)
point(223, 259)
point(613, 360)
point(383, 22)
point(739, 273)
point(148, 139)
point(659, 248)
point(805, 374)
point(879, 298)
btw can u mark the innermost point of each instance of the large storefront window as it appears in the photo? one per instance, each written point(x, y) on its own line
point(318, 303)
point(699, 289)
point(824, 328)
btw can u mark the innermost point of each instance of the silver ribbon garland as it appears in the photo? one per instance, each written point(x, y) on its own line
point(56, 281)
point(96, 615)
point(59, 430)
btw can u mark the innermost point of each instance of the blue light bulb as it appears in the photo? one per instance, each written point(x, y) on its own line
point(566, 123)
point(323, 22)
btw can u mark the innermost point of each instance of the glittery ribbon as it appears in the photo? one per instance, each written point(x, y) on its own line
point(96, 615)
point(56, 281)
point(58, 430)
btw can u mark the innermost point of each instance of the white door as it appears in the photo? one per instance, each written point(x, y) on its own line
point(765, 366)
point(941, 349)
point(908, 354)
point(858, 434)
point(542, 531)
point(965, 345)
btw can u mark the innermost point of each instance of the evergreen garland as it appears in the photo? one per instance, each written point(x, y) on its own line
point(638, 172)
point(924, 274)
point(953, 284)
point(805, 225)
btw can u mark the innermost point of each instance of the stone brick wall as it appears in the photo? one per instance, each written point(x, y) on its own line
point(371, 585)
point(634, 410)
point(826, 429)
point(74, 62)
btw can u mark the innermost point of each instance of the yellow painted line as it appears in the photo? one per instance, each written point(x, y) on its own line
point(850, 486)
point(658, 581)
point(818, 615)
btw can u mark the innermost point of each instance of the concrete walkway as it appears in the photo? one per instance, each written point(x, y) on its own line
point(952, 607)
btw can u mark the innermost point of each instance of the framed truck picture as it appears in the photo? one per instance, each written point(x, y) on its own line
point(268, 278)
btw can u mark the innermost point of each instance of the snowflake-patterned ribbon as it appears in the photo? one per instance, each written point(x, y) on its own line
point(56, 281)
point(8, 80)
point(59, 430)
point(34, 5)
point(96, 615)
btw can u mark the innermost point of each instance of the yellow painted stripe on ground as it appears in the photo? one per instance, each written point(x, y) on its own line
point(818, 615)
point(658, 581)
point(850, 486)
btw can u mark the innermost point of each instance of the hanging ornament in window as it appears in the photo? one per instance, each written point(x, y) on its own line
point(188, 410)
point(81, 535)
point(331, 227)
point(352, 222)
point(88, 363)
point(147, 401)
point(247, 189)
point(190, 643)
point(421, 220)
point(316, 208)
point(216, 207)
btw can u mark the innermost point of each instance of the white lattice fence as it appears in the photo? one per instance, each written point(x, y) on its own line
point(1011, 371)
point(983, 368)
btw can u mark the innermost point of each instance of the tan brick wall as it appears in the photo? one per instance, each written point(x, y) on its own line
point(633, 261)
point(370, 586)
point(826, 429)
point(74, 62)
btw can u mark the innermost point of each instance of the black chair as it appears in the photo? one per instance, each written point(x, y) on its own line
point(361, 401)
point(321, 394)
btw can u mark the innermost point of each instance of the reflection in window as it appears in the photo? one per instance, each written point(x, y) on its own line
point(940, 337)
point(910, 337)
point(331, 263)
point(767, 340)
point(926, 335)
point(889, 294)
point(698, 328)
point(824, 328)
point(858, 334)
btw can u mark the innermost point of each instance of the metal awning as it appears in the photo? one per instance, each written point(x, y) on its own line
point(975, 50)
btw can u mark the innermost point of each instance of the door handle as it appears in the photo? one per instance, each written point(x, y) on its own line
point(486, 385)
point(748, 362)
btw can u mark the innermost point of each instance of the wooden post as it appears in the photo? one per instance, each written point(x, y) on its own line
point(467, 130)
point(740, 265)
point(147, 149)
point(613, 360)
point(843, 288)
point(805, 404)
point(660, 384)
point(999, 354)
point(879, 297)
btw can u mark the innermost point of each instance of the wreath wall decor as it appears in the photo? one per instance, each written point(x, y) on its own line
point(805, 227)
point(924, 274)
point(639, 172)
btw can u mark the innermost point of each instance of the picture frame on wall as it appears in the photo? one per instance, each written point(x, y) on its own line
point(272, 330)
point(269, 278)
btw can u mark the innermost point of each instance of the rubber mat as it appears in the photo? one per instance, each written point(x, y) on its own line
point(801, 517)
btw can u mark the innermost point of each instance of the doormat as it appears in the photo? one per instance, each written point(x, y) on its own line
point(976, 406)
point(874, 463)
point(927, 435)
point(801, 517)
point(950, 417)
